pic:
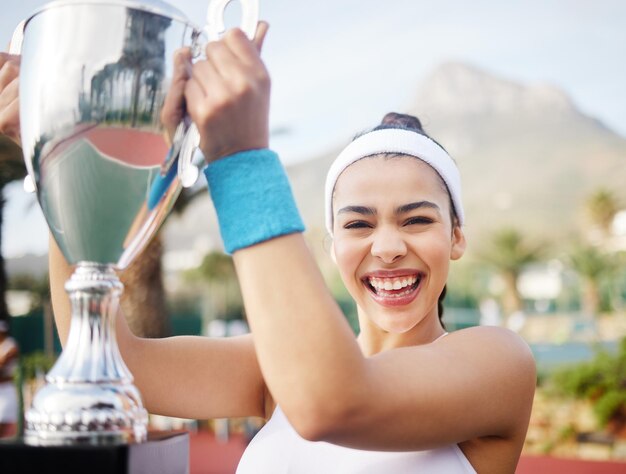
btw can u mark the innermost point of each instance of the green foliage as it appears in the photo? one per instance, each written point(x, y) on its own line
point(508, 251)
point(611, 404)
point(601, 381)
point(468, 284)
point(590, 262)
point(215, 266)
point(601, 207)
point(35, 363)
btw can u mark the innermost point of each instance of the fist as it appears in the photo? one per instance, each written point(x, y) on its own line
point(228, 95)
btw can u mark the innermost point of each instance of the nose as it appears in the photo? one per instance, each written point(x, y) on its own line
point(388, 245)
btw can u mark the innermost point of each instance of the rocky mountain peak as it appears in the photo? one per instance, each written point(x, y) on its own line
point(468, 90)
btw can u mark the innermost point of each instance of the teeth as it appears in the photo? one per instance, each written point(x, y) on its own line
point(388, 284)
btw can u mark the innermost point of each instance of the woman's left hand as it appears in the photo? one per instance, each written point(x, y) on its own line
point(228, 95)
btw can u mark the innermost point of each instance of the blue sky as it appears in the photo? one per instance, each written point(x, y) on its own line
point(338, 65)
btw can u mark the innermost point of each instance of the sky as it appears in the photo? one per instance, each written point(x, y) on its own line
point(338, 65)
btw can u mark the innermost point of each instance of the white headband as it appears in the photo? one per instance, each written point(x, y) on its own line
point(395, 140)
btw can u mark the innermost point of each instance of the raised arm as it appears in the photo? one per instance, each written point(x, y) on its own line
point(405, 399)
point(190, 377)
point(187, 377)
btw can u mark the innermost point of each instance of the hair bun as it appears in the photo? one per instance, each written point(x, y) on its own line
point(402, 121)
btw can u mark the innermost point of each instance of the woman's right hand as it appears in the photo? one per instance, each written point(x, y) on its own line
point(228, 95)
point(9, 96)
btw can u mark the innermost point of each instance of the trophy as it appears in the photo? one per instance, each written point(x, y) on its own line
point(94, 77)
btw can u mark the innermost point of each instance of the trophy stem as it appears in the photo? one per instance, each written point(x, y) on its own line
point(89, 396)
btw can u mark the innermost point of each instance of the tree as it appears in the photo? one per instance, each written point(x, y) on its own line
point(601, 207)
point(218, 271)
point(508, 253)
point(601, 381)
point(592, 266)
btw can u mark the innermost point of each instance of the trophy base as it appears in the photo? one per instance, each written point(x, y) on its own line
point(164, 452)
point(83, 413)
point(89, 397)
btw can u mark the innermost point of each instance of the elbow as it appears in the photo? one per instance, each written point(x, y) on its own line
point(321, 421)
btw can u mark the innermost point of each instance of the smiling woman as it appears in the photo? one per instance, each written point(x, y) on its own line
point(422, 194)
point(400, 397)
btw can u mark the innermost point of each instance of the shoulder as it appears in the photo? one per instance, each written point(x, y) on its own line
point(501, 359)
point(495, 345)
point(492, 334)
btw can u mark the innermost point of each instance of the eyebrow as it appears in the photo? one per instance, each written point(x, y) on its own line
point(417, 205)
point(366, 211)
point(370, 211)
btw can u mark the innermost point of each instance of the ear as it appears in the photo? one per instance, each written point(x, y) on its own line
point(458, 243)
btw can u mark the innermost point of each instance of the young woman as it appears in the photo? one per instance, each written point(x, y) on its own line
point(401, 397)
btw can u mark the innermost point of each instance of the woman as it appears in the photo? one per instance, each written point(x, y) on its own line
point(403, 396)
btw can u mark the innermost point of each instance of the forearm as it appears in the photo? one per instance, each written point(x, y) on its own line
point(189, 377)
point(306, 349)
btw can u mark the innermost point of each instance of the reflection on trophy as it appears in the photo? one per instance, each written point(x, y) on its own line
point(94, 77)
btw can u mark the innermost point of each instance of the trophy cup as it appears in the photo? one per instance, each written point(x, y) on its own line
point(94, 76)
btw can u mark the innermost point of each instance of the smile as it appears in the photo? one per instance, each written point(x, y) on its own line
point(393, 291)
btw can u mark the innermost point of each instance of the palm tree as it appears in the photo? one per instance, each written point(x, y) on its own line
point(592, 266)
point(508, 253)
point(601, 207)
point(217, 270)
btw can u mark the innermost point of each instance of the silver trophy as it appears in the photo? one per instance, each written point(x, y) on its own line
point(94, 76)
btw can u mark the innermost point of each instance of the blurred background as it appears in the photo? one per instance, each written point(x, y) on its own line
point(526, 96)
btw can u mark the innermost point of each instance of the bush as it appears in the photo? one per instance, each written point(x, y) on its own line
point(34, 363)
point(601, 381)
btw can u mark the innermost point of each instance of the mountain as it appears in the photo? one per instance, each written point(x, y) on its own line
point(528, 157)
point(35, 265)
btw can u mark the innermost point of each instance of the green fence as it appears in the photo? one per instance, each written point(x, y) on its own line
point(30, 330)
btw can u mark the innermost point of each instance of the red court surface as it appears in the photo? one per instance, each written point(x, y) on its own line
point(550, 465)
point(208, 456)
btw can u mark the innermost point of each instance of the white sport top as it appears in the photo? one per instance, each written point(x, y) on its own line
point(278, 449)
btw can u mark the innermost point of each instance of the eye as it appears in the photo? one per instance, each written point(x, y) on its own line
point(419, 220)
point(357, 225)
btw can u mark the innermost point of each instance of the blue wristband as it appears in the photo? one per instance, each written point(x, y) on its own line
point(252, 198)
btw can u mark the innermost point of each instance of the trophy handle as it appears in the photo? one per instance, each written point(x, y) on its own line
point(215, 18)
point(15, 46)
point(190, 160)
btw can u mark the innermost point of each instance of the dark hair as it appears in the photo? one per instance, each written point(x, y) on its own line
point(403, 122)
point(409, 122)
